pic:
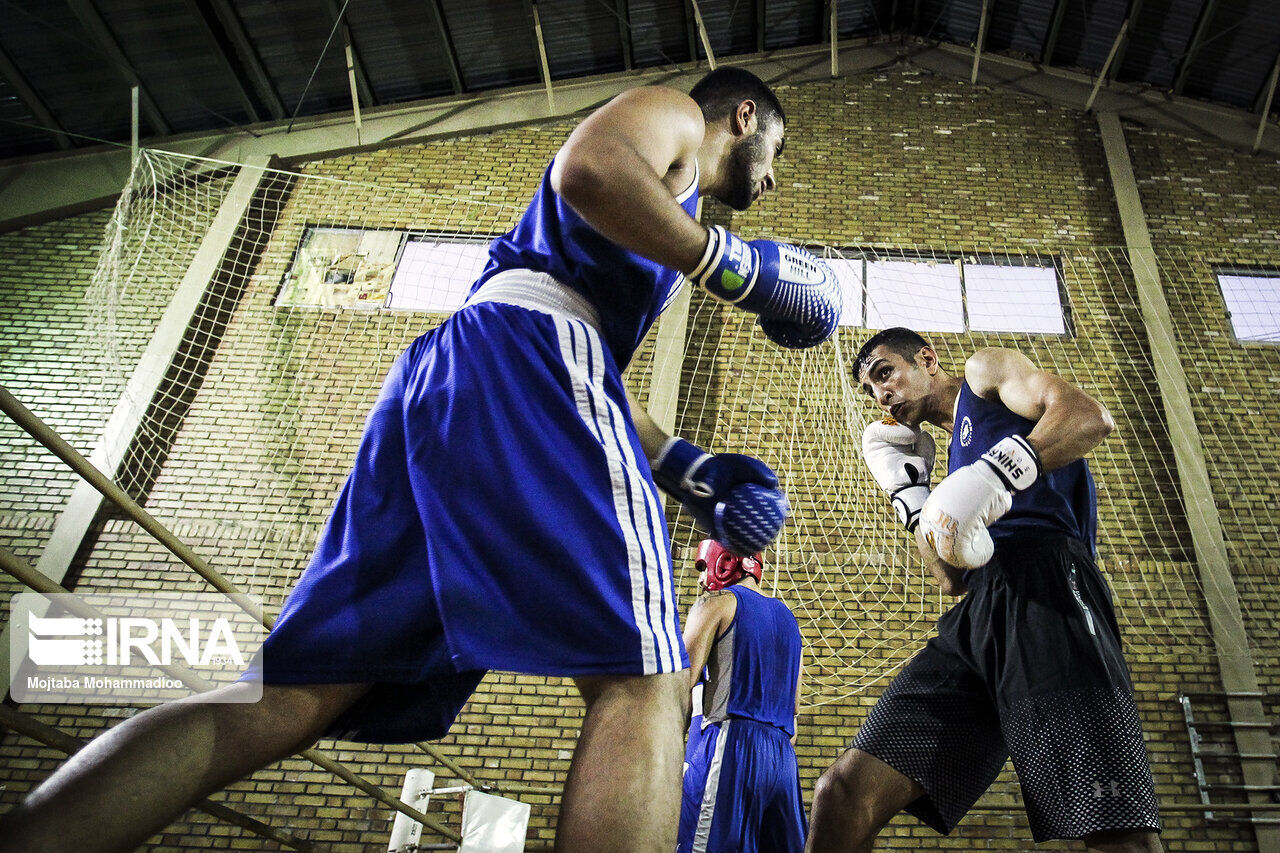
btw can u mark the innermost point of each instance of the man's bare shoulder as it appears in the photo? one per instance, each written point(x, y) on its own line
point(659, 99)
point(711, 597)
point(990, 367)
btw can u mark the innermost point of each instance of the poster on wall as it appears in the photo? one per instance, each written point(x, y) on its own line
point(342, 268)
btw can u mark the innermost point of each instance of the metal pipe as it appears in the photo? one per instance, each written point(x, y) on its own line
point(542, 55)
point(134, 121)
point(42, 433)
point(377, 793)
point(1266, 106)
point(355, 90)
point(452, 766)
point(25, 724)
point(1106, 66)
point(702, 34)
point(1232, 694)
point(14, 566)
point(28, 575)
point(982, 39)
point(835, 37)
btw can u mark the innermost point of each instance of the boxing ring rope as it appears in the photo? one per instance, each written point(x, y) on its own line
point(28, 575)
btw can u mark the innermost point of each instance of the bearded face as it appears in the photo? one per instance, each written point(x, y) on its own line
point(750, 164)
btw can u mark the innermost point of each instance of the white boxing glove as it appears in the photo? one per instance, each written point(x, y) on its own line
point(956, 515)
point(901, 459)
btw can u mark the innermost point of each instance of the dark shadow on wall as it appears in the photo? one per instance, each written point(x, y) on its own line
point(181, 385)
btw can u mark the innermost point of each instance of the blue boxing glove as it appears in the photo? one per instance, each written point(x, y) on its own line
point(795, 294)
point(732, 497)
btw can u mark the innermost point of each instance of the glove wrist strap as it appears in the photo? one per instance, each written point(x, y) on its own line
point(1015, 462)
point(676, 464)
point(908, 502)
point(729, 266)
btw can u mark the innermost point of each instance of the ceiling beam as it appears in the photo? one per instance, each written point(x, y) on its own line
point(229, 63)
point(1106, 66)
point(250, 62)
point(834, 36)
point(1135, 9)
point(48, 186)
point(1052, 33)
point(34, 102)
point(1193, 47)
point(691, 31)
point(436, 13)
point(702, 34)
point(1259, 103)
point(351, 82)
point(540, 46)
point(89, 17)
point(983, 19)
point(1266, 105)
point(338, 17)
point(623, 11)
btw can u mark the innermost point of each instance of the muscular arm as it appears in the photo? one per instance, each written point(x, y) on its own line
point(652, 436)
point(612, 169)
point(708, 618)
point(1069, 423)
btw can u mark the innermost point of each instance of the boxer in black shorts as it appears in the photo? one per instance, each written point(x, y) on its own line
point(1028, 664)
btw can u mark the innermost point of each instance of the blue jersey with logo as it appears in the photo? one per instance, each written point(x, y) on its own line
point(755, 664)
point(1061, 500)
point(627, 290)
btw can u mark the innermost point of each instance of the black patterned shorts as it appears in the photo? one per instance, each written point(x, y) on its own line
point(1027, 665)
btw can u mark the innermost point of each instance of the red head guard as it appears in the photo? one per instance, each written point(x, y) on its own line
point(719, 567)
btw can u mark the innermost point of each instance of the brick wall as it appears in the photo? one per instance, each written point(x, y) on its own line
point(67, 348)
point(269, 422)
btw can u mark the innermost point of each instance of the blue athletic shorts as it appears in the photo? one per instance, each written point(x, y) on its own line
point(500, 515)
point(741, 791)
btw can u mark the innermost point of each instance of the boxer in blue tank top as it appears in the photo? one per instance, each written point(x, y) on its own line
point(1028, 664)
point(502, 511)
point(741, 780)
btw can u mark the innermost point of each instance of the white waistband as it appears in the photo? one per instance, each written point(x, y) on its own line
point(537, 291)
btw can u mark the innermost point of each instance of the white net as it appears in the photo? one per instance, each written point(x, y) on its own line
point(852, 575)
point(247, 440)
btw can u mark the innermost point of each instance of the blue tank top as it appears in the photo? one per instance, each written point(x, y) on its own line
point(1062, 500)
point(627, 290)
point(755, 664)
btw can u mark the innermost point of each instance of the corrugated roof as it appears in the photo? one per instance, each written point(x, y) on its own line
point(66, 66)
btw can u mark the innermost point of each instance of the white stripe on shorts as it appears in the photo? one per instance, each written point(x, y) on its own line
point(707, 813)
point(635, 504)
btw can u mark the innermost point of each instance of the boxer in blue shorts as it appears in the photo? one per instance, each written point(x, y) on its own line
point(1028, 665)
point(502, 511)
point(741, 780)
